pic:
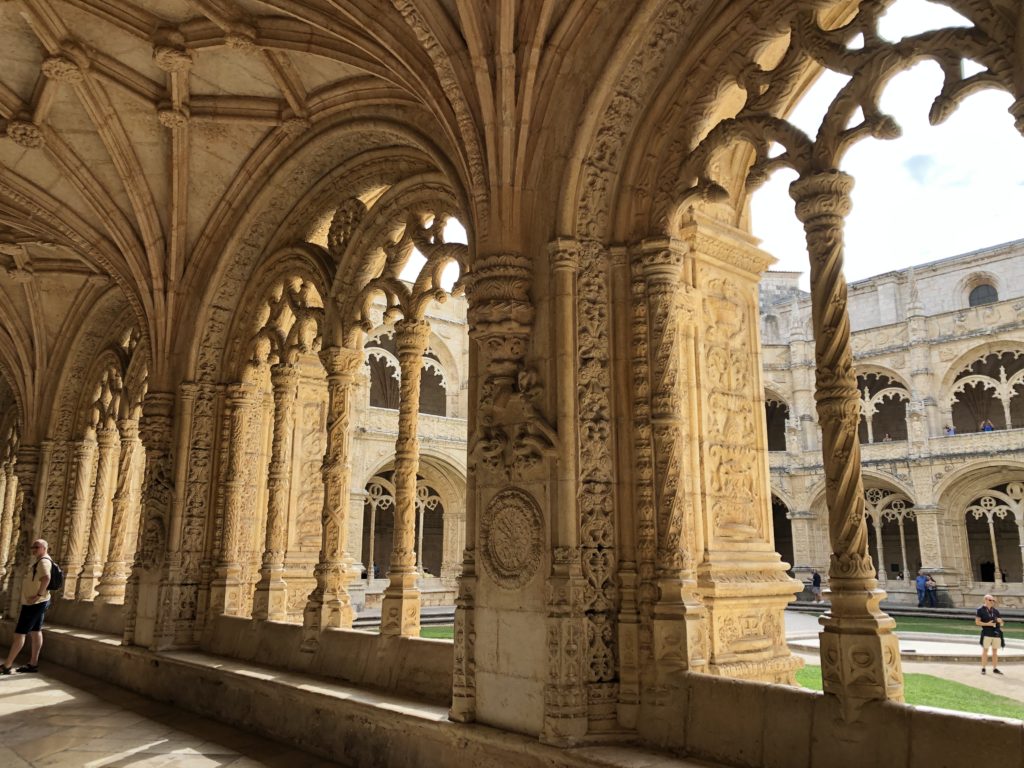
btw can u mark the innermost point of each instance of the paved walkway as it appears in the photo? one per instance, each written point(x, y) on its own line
point(62, 719)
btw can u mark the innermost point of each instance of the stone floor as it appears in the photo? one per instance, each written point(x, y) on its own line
point(62, 719)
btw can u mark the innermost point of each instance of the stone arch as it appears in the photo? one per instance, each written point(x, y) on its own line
point(883, 405)
point(777, 417)
point(989, 392)
point(957, 492)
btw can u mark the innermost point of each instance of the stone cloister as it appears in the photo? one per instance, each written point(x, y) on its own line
point(208, 209)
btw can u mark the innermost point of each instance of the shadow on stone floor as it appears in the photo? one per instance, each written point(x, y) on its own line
point(60, 719)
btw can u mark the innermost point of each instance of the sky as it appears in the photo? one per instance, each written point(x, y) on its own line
point(937, 191)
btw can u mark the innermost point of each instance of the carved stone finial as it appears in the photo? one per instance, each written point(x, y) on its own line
point(25, 133)
point(565, 254)
point(62, 69)
point(172, 58)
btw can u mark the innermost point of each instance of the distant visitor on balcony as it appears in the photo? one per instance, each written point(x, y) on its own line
point(986, 426)
point(950, 430)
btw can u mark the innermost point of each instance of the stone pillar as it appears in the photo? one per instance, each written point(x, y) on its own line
point(226, 588)
point(27, 471)
point(740, 576)
point(99, 530)
point(877, 522)
point(453, 540)
point(84, 456)
point(679, 632)
point(8, 494)
point(860, 656)
point(400, 608)
point(142, 592)
point(124, 521)
point(329, 604)
point(271, 598)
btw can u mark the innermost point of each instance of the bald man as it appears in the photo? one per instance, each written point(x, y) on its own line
point(34, 602)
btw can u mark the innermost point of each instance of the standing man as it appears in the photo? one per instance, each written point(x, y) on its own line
point(34, 602)
point(991, 624)
point(816, 586)
point(922, 587)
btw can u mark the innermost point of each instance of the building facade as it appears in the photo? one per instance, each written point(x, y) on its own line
point(939, 355)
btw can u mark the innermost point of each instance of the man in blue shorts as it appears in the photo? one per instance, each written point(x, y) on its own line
point(34, 602)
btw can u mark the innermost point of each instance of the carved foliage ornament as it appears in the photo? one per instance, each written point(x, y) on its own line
point(511, 538)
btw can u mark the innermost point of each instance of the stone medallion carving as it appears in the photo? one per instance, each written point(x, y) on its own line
point(511, 538)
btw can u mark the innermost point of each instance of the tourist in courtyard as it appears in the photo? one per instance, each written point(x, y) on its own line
point(991, 624)
point(950, 430)
point(931, 589)
point(922, 588)
point(816, 586)
point(34, 602)
point(986, 425)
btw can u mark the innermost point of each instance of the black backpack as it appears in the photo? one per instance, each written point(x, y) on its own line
point(56, 576)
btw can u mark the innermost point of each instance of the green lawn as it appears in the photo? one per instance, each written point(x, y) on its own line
point(963, 626)
point(442, 633)
point(930, 691)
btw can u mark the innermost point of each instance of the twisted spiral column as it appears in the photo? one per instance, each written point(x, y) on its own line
point(8, 493)
point(860, 658)
point(271, 598)
point(400, 608)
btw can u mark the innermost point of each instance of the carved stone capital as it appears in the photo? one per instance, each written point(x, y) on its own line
point(341, 361)
point(822, 195)
point(411, 338)
point(25, 133)
point(564, 254)
point(499, 298)
point(661, 261)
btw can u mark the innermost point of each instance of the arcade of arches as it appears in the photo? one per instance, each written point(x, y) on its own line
point(228, 359)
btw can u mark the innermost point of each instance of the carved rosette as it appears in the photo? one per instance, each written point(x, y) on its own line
point(62, 69)
point(25, 133)
point(172, 58)
point(329, 604)
point(511, 538)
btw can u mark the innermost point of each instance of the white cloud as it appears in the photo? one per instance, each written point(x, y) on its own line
point(934, 192)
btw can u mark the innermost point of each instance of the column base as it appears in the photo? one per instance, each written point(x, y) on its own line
point(860, 657)
point(88, 582)
point(226, 594)
point(745, 595)
point(111, 589)
point(400, 608)
point(270, 600)
point(328, 606)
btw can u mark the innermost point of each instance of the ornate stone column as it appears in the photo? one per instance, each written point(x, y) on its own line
point(877, 523)
point(84, 456)
point(679, 633)
point(126, 509)
point(27, 471)
point(226, 588)
point(141, 599)
point(860, 656)
point(99, 530)
point(400, 608)
point(453, 540)
point(329, 604)
point(741, 579)
point(8, 528)
point(271, 597)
